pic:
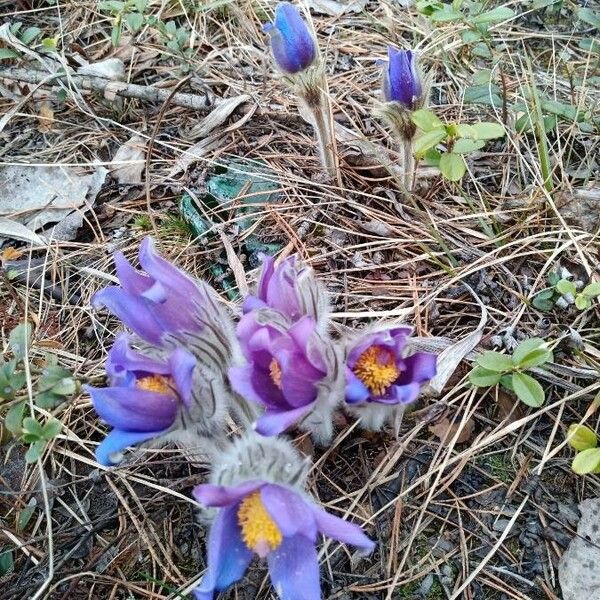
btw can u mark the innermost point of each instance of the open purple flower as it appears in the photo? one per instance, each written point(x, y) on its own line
point(401, 81)
point(292, 43)
point(163, 300)
point(377, 371)
point(285, 366)
point(144, 396)
point(277, 523)
point(290, 288)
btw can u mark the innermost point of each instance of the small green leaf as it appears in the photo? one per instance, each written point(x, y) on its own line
point(446, 14)
point(26, 514)
point(32, 426)
point(523, 124)
point(470, 36)
point(480, 377)
point(488, 131)
point(506, 382)
point(528, 390)
point(494, 361)
point(485, 93)
point(432, 157)
point(592, 290)
point(590, 45)
point(13, 420)
point(428, 140)
point(51, 429)
point(29, 35)
point(115, 34)
point(135, 21)
point(564, 286)
point(581, 437)
point(535, 358)
point(542, 303)
point(452, 166)
point(50, 44)
point(582, 302)
point(34, 451)
point(589, 16)
point(6, 53)
point(465, 131)
point(465, 146)
point(501, 13)
point(20, 339)
point(553, 278)
point(525, 348)
point(587, 461)
point(6, 562)
point(426, 120)
point(140, 5)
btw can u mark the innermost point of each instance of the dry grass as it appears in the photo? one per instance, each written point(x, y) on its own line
point(450, 517)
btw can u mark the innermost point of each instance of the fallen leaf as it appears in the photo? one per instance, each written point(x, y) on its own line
point(111, 68)
point(11, 253)
point(579, 567)
point(445, 431)
point(217, 116)
point(45, 118)
point(335, 8)
point(509, 409)
point(129, 161)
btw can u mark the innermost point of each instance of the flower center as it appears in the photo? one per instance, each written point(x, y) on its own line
point(275, 372)
point(259, 532)
point(376, 368)
point(157, 383)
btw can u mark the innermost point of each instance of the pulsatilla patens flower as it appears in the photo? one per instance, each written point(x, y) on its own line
point(293, 45)
point(144, 396)
point(163, 300)
point(401, 79)
point(290, 288)
point(290, 370)
point(269, 516)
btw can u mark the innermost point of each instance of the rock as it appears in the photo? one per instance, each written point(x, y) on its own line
point(579, 567)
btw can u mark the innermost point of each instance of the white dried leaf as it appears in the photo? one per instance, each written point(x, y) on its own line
point(111, 68)
point(129, 161)
point(335, 8)
point(217, 116)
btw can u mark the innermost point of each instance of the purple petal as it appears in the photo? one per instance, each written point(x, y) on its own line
point(117, 440)
point(133, 409)
point(294, 569)
point(290, 511)
point(274, 423)
point(182, 364)
point(132, 310)
point(131, 280)
point(122, 358)
point(404, 394)
point(228, 556)
point(243, 380)
point(402, 84)
point(419, 367)
point(220, 495)
point(252, 303)
point(356, 391)
point(342, 531)
point(268, 268)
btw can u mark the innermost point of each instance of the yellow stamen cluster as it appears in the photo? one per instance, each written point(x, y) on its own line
point(275, 372)
point(259, 532)
point(376, 368)
point(157, 383)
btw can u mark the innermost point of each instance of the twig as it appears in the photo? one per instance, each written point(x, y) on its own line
point(198, 103)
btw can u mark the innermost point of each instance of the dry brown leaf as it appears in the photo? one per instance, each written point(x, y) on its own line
point(129, 161)
point(11, 253)
point(508, 407)
point(45, 118)
point(445, 430)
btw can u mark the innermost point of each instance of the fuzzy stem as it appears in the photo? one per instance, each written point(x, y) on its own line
point(409, 164)
point(325, 140)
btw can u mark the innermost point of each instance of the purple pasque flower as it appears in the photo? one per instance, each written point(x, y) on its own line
point(377, 370)
point(292, 43)
point(160, 301)
point(290, 288)
point(144, 395)
point(285, 366)
point(277, 523)
point(401, 80)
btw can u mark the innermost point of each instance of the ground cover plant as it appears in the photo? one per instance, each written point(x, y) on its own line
point(315, 283)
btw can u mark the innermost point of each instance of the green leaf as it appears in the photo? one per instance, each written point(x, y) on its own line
point(528, 390)
point(525, 347)
point(482, 50)
point(6, 562)
point(480, 377)
point(6, 53)
point(590, 45)
point(553, 278)
point(543, 3)
point(50, 44)
point(470, 36)
point(429, 140)
point(501, 13)
point(32, 426)
point(543, 303)
point(484, 94)
point(48, 400)
point(26, 514)
point(13, 420)
point(34, 451)
point(535, 358)
point(20, 339)
point(29, 35)
point(581, 437)
point(488, 131)
point(56, 379)
point(582, 302)
point(587, 461)
point(446, 14)
point(494, 361)
point(426, 120)
point(465, 146)
point(140, 5)
point(589, 16)
point(465, 131)
point(115, 35)
point(135, 21)
point(591, 290)
point(506, 382)
point(51, 429)
point(564, 286)
point(452, 166)
point(432, 157)
point(112, 6)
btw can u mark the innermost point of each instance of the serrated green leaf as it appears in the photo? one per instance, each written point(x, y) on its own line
point(592, 290)
point(51, 429)
point(429, 140)
point(426, 120)
point(13, 419)
point(587, 461)
point(488, 131)
point(528, 390)
point(20, 339)
point(494, 361)
point(466, 146)
point(501, 13)
point(506, 382)
point(48, 400)
point(452, 166)
point(32, 426)
point(64, 387)
point(589, 16)
point(134, 20)
point(564, 286)
point(480, 377)
point(34, 451)
point(581, 437)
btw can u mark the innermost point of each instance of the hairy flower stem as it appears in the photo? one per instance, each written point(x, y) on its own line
point(325, 139)
point(409, 164)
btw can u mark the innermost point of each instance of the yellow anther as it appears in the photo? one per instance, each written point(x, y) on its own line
point(275, 372)
point(157, 383)
point(376, 368)
point(259, 532)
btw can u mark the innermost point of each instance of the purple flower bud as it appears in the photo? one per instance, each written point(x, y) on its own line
point(144, 397)
point(401, 81)
point(378, 372)
point(293, 46)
